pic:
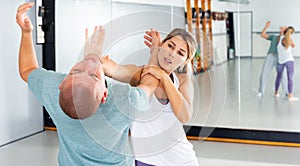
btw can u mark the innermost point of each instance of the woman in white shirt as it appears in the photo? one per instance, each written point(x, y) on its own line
point(286, 60)
point(157, 136)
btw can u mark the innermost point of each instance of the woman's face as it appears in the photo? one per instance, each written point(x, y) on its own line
point(173, 53)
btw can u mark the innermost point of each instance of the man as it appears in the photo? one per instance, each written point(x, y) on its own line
point(92, 120)
point(270, 61)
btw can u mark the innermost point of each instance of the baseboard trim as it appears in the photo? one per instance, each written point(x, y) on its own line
point(248, 136)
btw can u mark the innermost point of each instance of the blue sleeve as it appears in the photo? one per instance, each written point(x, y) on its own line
point(271, 37)
point(44, 83)
point(129, 100)
point(139, 99)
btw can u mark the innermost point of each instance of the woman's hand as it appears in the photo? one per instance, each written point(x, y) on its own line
point(153, 41)
point(156, 71)
point(94, 44)
point(152, 38)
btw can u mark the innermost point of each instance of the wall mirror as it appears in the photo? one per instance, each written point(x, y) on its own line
point(244, 115)
point(226, 104)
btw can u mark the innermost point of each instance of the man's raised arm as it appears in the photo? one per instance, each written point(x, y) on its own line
point(27, 55)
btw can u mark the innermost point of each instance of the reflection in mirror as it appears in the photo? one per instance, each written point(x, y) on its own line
point(242, 108)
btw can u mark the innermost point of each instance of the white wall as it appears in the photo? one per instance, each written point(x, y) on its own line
point(279, 13)
point(20, 112)
point(220, 48)
point(125, 24)
point(178, 3)
point(276, 11)
point(220, 37)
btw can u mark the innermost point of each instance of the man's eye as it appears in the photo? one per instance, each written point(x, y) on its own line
point(95, 77)
point(75, 71)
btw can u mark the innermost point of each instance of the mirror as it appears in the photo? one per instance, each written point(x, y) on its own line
point(225, 95)
point(241, 109)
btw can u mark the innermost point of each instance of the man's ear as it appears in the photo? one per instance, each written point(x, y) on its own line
point(104, 97)
point(60, 85)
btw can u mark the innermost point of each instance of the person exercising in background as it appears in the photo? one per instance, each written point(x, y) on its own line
point(271, 60)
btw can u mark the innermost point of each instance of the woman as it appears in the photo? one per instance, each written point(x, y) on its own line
point(286, 60)
point(157, 136)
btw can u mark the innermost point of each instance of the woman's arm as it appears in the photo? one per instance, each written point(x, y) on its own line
point(124, 73)
point(181, 99)
point(131, 73)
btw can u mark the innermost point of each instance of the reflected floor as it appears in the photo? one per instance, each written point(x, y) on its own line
point(225, 96)
point(42, 149)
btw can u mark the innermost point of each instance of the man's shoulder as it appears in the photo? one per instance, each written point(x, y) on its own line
point(41, 72)
point(122, 89)
point(42, 78)
point(125, 94)
point(272, 37)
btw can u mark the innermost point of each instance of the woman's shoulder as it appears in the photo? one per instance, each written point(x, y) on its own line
point(183, 77)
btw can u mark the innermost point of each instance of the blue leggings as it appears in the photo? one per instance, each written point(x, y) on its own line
point(290, 73)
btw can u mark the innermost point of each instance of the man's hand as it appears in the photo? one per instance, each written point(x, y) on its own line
point(268, 24)
point(94, 44)
point(263, 33)
point(22, 19)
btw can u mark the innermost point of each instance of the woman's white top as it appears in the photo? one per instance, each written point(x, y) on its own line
point(158, 137)
point(284, 55)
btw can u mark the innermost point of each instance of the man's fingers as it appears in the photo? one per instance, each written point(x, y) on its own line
point(95, 29)
point(25, 5)
point(26, 20)
point(24, 8)
point(21, 13)
point(101, 35)
point(86, 34)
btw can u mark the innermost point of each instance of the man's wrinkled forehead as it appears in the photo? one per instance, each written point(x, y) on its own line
point(93, 57)
point(88, 62)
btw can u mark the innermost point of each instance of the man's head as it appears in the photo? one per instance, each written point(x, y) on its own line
point(282, 29)
point(83, 89)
